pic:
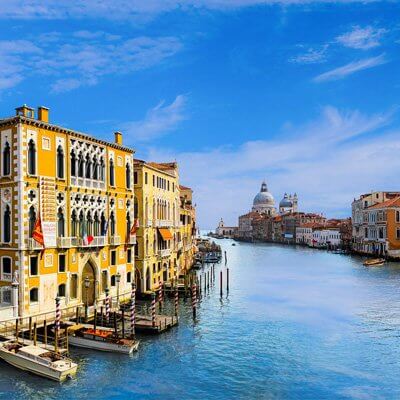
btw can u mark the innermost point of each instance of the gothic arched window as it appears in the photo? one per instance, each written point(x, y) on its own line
point(89, 228)
point(103, 224)
point(112, 180)
point(88, 167)
point(102, 169)
point(128, 176)
point(112, 223)
point(96, 225)
point(32, 220)
point(74, 224)
point(80, 165)
point(135, 208)
point(128, 223)
point(31, 158)
point(6, 159)
point(60, 162)
point(60, 223)
point(7, 225)
point(95, 168)
point(81, 224)
point(73, 163)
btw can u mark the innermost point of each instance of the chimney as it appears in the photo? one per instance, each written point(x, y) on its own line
point(25, 111)
point(118, 138)
point(43, 114)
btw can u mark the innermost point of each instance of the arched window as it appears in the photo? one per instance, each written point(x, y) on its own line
point(88, 167)
point(80, 165)
point(96, 225)
point(32, 220)
point(73, 163)
point(60, 162)
point(102, 169)
point(135, 208)
point(95, 168)
point(112, 223)
point(81, 224)
point(34, 295)
point(6, 159)
point(89, 228)
point(128, 223)
point(74, 224)
point(60, 223)
point(112, 180)
point(103, 225)
point(128, 176)
point(31, 158)
point(7, 225)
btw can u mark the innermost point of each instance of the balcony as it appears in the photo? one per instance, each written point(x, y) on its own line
point(88, 183)
point(115, 240)
point(67, 242)
point(164, 252)
point(149, 223)
point(6, 277)
point(162, 223)
point(34, 245)
point(98, 241)
point(132, 239)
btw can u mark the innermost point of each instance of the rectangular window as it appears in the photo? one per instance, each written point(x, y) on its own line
point(135, 178)
point(104, 281)
point(154, 180)
point(129, 256)
point(73, 290)
point(113, 257)
point(61, 263)
point(145, 178)
point(398, 233)
point(33, 266)
point(129, 277)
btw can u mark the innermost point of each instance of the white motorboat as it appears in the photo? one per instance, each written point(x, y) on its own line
point(38, 361)
point(100, 339)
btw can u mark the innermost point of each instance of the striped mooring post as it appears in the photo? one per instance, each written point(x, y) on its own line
point(194, 299)
point(108, 305)
point(160, 294)
point(176, 300)
point(133, 305)
point(153, 309)
point(58, 315)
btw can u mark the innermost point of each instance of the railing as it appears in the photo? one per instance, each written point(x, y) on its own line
point(33, 244)
point(162, 223)
point(115, 240)
point(98, 241)
point(164, 252)
point(6, 277)
point(89, 183)
point(149, 223)
point(132, 239)
point(67, 242)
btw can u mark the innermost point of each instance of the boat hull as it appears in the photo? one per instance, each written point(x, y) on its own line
point(99, 345)
point(37, 368)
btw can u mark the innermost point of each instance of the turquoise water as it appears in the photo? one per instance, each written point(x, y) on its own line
point(297, 324)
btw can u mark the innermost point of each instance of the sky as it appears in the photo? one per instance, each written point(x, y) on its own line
point(301, 93)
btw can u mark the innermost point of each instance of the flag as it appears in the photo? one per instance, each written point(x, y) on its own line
point(105, 228)
point(37, 233)
point(87, 239)
point(135, 227)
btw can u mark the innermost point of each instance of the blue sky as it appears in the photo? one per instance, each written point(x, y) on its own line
point(302, 93)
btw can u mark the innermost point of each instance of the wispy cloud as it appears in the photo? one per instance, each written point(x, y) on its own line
point(311, 56)
point(158, 121)
point(325, 161)
point(81, 59)
point(351, 68)
point(362, 38)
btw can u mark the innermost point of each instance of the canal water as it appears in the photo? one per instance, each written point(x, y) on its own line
point(297, 324)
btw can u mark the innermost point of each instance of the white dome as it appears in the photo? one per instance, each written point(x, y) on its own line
point(264, 200)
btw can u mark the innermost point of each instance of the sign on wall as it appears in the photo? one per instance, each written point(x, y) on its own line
point(47, 187)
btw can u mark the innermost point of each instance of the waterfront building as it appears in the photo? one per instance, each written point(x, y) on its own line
point(225, 231)
point(264, 202)
point(74, 193)
point(245, 229)
point(304, 233)
point(361, 241)
point(291, 221)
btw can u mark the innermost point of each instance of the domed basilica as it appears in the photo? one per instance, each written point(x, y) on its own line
point(264, 202)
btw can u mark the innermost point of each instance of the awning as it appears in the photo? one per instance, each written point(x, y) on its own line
point(165, 233)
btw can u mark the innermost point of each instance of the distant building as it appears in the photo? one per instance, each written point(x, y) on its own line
point(245, 230)
point(288, 204)
point(364, 225)
point(264, 202)
point(226, 231)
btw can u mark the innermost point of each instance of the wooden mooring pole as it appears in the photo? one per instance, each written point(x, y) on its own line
point(227, 280)
point(220, 283)
point(34, 334)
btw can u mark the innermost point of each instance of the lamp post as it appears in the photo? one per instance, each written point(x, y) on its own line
point(117, 281)
point(87, 285)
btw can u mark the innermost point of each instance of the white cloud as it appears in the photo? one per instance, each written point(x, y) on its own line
point(311, 56)
point(351, 68)
point(362, 38)
point(80, 60)
point(158, 121)
point(327, 162)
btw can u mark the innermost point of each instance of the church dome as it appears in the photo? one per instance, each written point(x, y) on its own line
point(263, 198)
point(285, 202)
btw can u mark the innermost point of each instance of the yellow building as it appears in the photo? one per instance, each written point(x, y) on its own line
point(82, 188)
point(157, 208)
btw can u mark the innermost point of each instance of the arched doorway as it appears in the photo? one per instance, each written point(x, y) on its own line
point(165, 272)
point(138, 282)
point(147, 280)
point(88, 294)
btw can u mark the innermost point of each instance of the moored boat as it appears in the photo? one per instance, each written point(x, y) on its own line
point(100, 339)
point(376, 262)
point(38, 361)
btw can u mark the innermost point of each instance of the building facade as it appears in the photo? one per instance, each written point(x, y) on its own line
point(225, 231)
point(78, 191)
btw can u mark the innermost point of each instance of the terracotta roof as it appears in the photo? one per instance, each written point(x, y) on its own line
point(184, 188)
point(386, 204)
point(163, 166)
point(310, 225)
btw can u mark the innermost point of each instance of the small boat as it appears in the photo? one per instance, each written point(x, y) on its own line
point(376, 262)
point(233, 244)
point(100, 339)
point(37, 360)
